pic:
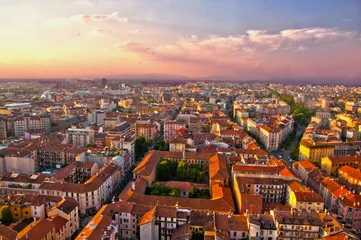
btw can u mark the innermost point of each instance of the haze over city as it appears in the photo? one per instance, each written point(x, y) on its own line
point(217, 40)
point(180, 119)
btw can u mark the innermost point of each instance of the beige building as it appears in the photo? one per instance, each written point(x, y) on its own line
point(147, 130)
point(80, 137)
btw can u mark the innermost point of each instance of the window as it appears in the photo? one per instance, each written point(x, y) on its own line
point(234, 234)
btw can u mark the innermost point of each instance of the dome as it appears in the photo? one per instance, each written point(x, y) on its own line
point(118, 160)
point(46, 94)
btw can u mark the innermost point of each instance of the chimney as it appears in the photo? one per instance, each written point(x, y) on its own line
point(184, 153)
point(133, 186)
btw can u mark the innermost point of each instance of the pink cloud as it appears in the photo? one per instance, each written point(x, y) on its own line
point(135, 47)
point(86, 18)
point(254, 54)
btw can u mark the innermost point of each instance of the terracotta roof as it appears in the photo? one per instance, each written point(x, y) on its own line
point(96, 228)
point(299, 218)
point(7, 233)
point(42, 228)
point(178, 140)
point(294, 186)
point(147, 217)
point(183, 186)
point(66, 205)
point(169, 212)
point(90, 185)
point(307, 165)
point(353, 173)
point(118, 207)
point(219, 204)
point(263, 180)
point(251, 198)
point(257, 169)
point(200, 218)
point(307, 196)
point(337, 236)
point(330, 184)
point(231, 222)
point(15, 152)
point(181, 233)
point(58, 222)
point(265, 221)
point(24, 178)
point(218, 168)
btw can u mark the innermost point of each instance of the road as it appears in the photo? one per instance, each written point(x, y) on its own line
point(126, 180)
point(285, 154)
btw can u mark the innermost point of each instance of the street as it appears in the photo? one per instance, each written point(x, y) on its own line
point(285, 154)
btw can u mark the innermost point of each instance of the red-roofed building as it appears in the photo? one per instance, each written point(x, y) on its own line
point(351, 178)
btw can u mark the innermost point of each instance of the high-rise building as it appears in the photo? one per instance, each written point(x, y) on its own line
point(104, 82)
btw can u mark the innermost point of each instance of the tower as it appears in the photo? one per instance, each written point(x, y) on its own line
point(104, 82)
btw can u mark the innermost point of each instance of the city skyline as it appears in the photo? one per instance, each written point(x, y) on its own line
point(204, 39)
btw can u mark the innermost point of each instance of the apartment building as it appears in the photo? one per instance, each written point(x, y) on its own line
point(80, 137)
point(147, 130)
point(170, 129)
point(316, 151)
point(13, 160)
point(19, 183)
point(262, 226)
point(331, 165)
point(67, 209)
point(297, 225)
point(91, 194)
point(306, 200)
point(272, 190)
point(350, 178)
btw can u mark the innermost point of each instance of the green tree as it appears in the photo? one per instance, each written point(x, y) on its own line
point(7, 217)
point(141, 147)
point(160, 190)
point(196, 166)
point(163, 171)
point(162, 146)
point(173, 165)
point(192, 192)
point(182, 170)
point(200, 177)
point(193, 174)
point(175, 192)
point(204, 193)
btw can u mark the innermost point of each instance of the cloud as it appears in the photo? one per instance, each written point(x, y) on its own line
point(346, 20)
point(86, 18)
point(99, 32)
point(135, 47)
point(134, 31)
point(248, 50)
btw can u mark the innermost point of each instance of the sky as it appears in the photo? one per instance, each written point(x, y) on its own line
point(254, 39)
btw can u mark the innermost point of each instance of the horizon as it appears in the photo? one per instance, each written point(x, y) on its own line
point(206, 40)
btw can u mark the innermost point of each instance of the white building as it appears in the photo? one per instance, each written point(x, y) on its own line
point(80, 136)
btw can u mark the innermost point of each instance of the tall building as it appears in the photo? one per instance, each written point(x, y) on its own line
point(104, 82)
point(3, 127)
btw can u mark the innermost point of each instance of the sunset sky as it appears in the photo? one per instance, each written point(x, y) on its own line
point(255, 39)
